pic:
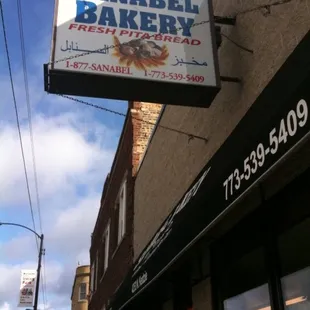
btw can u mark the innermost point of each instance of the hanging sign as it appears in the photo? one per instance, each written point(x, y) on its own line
point(162, 41)
point(27, 288)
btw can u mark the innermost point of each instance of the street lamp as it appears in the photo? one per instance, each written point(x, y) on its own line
point(39, 261)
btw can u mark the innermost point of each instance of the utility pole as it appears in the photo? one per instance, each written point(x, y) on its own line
point(36, 297)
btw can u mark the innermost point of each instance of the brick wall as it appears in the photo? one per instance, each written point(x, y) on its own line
point(121, 260)
point(142, 130)
point(132, 145)
point(172, 161)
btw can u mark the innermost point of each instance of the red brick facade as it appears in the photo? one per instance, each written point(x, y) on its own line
point(132, 144)
point(149, 113)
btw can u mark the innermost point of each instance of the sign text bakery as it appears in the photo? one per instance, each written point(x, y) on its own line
point(134, 18)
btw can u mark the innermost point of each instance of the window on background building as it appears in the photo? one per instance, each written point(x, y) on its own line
point(101, 264)
point(92, 277)
point(83, 292)
point(122, 213)
point(104, 257)
point(115, 226)
point(106, 241)
point(294, 250)
point(96, 270)
point(119, 220)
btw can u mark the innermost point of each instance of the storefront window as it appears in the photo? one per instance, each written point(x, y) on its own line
point(294, 249)
point(256, 298)
point(244, 283)
point(296, 289)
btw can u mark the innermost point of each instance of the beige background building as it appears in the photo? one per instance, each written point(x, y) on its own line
point(80, 288)
point(172, 160)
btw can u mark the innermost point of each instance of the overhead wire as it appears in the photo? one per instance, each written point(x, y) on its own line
point(237, 44)
point(257, 8)
point(189, 135)
point(17, 116)
point(24, 63)
point(263, 6)
point(25, 73)
point(75, 100)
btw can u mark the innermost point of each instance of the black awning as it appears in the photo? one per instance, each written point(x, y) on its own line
point(276, 123)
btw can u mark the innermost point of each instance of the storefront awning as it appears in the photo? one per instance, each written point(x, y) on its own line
point(276, 123)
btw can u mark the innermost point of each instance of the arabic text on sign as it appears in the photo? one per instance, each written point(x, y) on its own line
point(74, 47)
point(193, 62)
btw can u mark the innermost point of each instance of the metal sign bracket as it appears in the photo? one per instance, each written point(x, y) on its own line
point(225, 20)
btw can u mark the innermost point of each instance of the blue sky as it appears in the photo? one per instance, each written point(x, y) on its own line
point(74, 148)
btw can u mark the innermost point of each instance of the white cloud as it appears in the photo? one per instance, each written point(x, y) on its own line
point(10, 280)
point(72, 229)
point(21, 246)
point(68, 235)
point(5, 306)
point(73, 156)
point(83, 257)
point(70, 152)
point(7, 111)
point(64, 157)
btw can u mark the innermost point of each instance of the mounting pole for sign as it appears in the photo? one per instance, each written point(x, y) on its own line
point(230, 79)
point(229, 21)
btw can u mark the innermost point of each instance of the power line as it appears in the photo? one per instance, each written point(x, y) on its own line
point(263, 6)
point(257, 8)
point(24, 62)
point(237, 44)
point(16, 110)
point(189, 135)
point(17, 116)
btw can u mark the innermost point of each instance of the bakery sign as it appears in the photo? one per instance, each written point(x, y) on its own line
point(165, 41)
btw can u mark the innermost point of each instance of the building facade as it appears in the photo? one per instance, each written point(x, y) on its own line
point(272, 38)
point(80, 288)
point(221, 203)
point(111, 252)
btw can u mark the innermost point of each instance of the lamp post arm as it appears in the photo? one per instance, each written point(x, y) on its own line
point(36, 297)
point(19, 225)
